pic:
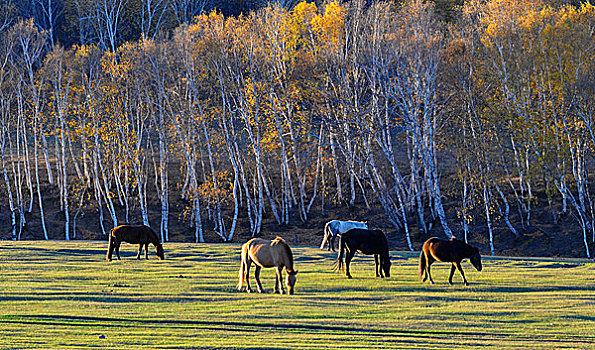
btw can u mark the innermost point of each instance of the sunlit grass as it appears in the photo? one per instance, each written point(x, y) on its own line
point(59, 295)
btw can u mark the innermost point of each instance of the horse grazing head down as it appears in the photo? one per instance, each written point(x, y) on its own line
point(135, 234)
point(284, 254)
point(290, 280)
point(386, 261)
point(159, 251)
point(265, 253)
point(475, 259)
point(386, 267)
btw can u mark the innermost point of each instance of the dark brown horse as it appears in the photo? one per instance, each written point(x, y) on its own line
point(135, 234)
point(453, 251)
point(264, 253)
point(368, 242)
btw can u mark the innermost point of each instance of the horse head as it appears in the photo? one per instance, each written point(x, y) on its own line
point(475, 259)
point(290, 280)
point(159, 251)
point(386, 266)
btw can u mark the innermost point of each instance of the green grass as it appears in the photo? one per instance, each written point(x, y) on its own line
point(64, 295)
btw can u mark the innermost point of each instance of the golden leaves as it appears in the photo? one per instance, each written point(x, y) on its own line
point(329, 28)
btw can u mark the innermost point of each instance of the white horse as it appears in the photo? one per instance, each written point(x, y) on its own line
point(335, 228)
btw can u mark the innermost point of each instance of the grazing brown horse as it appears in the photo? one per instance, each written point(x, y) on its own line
point(264, 253)
point(369, 242)
point(135, 234)
point(453, 250)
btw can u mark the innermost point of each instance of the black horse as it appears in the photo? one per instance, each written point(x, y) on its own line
point(453, 250)
point(135, 234)
point(369, 242)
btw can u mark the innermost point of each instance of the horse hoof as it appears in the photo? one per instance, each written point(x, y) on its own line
point(349, 277)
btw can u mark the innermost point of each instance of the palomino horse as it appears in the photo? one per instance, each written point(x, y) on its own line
point(369, 242)
point(335, 228)
point(453, 250)
point(264, 253)
point(135, 234)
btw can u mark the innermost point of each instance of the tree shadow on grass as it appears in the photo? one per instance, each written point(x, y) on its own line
point(386, 334)
point(112, 296)
point(580, 317)
point(518, 289)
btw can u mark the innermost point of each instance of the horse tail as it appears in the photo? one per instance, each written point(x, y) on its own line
point(339, 262)
point(242, 274)
point(422, 264)
point(325, 235)
point(110, 242)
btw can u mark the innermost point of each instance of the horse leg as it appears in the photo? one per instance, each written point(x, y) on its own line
point(377, 263)
point(279, 280)
point(147, 251)
point(118, 250)
point(422, 267)
point(110, 250)
point(458, 265)
point(348, 258)
point(452, 272)
point(276, 280)
point(325, 241)
point(429, 261)
point(140, 251)
point(257, 277)
point(331, 245)
point(247, 275)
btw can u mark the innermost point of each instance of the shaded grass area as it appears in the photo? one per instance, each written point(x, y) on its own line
point(63, 295)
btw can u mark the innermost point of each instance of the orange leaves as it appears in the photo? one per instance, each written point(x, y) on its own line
point(306, 31)
point(527, 39)
point(329, 28)
point(222, 190)
point(297, 30)
point(306, 28)
point(116, 68)
point(207, 32)
point(500, 17)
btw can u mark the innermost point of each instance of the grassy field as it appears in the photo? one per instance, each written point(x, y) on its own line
point(64, 295)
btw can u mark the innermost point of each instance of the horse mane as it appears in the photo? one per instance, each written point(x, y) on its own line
point(278, 240)
point(358, 221)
